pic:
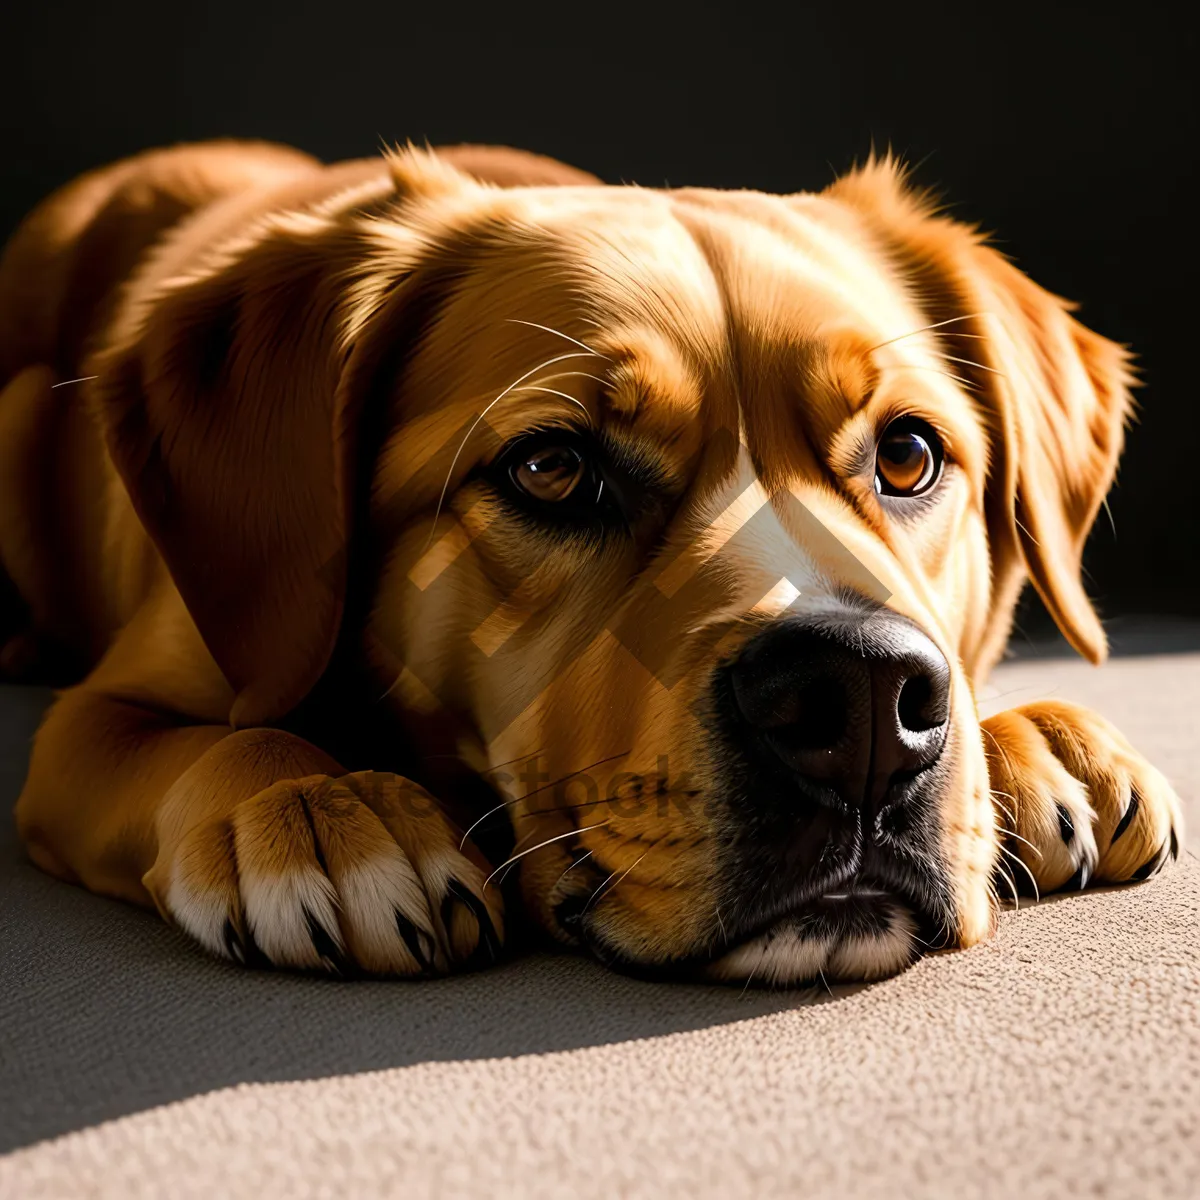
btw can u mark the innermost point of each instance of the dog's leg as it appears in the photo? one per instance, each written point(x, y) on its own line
point(254, 842)
point(1078, 803)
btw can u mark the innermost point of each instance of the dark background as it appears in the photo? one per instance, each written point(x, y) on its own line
point(1069, 130)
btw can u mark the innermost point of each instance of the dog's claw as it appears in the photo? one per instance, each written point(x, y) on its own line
point(420, 944)
point(233, 943)
point(1066, 826)
point(323, 943)
point(489, 947)
point(1078, 881)
point(1152, 865)
point(1128, 815)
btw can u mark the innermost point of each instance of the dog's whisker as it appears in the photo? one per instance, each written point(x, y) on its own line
point(754, 970)
point(1012, 816)
point(945, 934)
point(1021, 863)
point(1025, 841)
point(526, 796)
point(558, 333)
point(1108, 513)
point(494, 767)
point(1008, 877)
point(596, 894)
point(926, 328)
point(68, 382)
point(479, 821)
point(721, 923)
point(1027, 533)
point(936, 370)
point(574, 863)
point(572, 774)
point(1003, 757)
point(970, 362)
point(1008, 812)
point(540, 846)
point(670, 794)
point(573, 375)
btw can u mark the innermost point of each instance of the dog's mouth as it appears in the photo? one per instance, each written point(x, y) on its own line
point(861, 930)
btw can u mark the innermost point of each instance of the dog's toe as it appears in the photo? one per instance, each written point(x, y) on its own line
point(338, 876)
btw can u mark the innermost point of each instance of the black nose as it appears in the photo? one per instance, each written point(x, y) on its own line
point(850, 704)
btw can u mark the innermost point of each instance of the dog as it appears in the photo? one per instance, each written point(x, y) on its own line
point(445, 548)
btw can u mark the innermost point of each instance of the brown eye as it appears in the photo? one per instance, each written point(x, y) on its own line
point(909, 459)
point(550, 474)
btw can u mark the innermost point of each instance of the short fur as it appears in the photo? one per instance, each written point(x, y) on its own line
point(246, 400)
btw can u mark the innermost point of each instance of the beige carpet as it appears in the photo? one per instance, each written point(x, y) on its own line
point(1061, 1059)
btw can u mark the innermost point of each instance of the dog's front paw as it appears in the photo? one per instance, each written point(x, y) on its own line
point(362, 873)
point(1077, 802)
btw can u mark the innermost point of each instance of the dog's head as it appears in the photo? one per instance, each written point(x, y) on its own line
point(688, 519)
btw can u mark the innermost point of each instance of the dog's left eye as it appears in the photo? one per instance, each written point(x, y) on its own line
point(550, 474)
point(572, 481)
point(909, 459)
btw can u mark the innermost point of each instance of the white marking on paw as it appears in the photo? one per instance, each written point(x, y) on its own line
point(372, 891)
point(200, 914)
point(1084, 851)
point(275, 913)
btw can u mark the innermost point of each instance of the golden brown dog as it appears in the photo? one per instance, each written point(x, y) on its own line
point(687, 521)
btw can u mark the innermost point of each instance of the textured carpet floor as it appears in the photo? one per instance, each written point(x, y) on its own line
point(1060, 1059)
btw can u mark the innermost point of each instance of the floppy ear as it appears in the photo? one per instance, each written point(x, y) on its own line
point(230, 406)
point(1057, 397)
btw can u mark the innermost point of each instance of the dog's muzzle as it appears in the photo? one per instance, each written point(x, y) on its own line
point(831, 745)
point(832, 736)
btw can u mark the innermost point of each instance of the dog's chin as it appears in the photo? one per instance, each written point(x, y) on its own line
point(846, 935)
point(858, 933)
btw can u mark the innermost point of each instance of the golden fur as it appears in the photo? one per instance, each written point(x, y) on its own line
point(265, 493)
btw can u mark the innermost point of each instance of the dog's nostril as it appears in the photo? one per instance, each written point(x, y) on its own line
point(913, 705)
point(779, 695)
point(924, 700)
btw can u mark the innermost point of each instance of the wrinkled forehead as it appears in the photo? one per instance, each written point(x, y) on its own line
point(793, 271)
point(595, 298)
point(809, 302)
point(771, 305)
point(696, 313)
